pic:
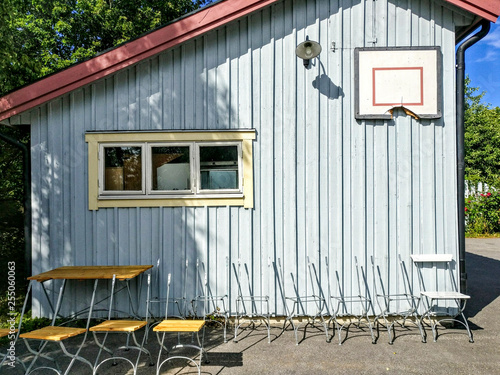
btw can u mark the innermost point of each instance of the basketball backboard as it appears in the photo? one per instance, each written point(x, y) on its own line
point(387, 78)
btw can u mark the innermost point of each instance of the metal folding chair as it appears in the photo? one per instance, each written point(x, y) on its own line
point(345, 303)
point(395, 307)
point(54, 334)
point(10, 358)
point(431, 298)
point(300, 304)
point(207, 305)
point(126, 326)
point(250, 307)
point(180, 303)
point(190, 326)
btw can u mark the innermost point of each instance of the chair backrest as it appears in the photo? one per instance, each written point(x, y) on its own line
point(433, 260)
point(148, 295)
point(386, 288)
point(356, 264)
point(169, 278)
point(406, 282)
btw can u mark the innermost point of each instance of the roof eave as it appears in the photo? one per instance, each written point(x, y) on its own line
point(487, 9)
point(126, 55)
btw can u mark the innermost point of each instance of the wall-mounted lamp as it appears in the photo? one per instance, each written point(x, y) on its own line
point(308, 50)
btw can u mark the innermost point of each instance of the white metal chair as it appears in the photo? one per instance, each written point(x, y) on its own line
point(432, 298)
point(401, 306)
point(126, 326)
point(300, 308)
point(344, 307)
point(180, 303)
point(210, 305)
point(10, 358)
point(179, 326)
point(250, 307)
point(54, 334)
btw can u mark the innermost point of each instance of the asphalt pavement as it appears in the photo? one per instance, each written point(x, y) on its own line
point(252, 354)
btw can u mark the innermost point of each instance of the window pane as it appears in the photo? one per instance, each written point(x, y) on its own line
point(123, 168)
point(171, 168)
point(219, 167)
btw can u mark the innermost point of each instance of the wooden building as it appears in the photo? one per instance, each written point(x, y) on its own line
point(273, 160)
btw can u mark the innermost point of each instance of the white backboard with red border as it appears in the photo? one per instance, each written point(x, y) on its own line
point(388, 78)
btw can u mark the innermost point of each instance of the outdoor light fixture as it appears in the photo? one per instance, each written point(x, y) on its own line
point(308, 50)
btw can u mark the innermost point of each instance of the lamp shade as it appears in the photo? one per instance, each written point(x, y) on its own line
point(308, 50)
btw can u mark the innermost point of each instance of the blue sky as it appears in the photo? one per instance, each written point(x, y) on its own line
point(482, 64)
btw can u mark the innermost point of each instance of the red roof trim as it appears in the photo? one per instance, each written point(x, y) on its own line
point(157, 41)
point(128, 54)
point(487, 9)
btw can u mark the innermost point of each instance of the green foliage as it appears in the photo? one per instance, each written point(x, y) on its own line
point(39, 37)
point(482, 163)
point(482, 140)
point(482, 214)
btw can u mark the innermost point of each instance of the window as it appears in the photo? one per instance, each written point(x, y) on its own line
point(122, 169)
point(128, 169)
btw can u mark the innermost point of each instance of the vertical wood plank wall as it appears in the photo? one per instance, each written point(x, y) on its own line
point(327, 187)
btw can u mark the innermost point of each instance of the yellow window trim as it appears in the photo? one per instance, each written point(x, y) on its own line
point(245, 136)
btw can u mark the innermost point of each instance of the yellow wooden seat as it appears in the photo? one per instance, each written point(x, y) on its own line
point(119, 326)
point(53, 333)
point(179, 326)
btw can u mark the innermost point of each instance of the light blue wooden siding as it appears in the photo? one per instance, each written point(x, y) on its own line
point(327, 187)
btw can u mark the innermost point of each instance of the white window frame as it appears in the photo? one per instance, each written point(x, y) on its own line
point(149, 170)
point(102, 168)
point(199, 190)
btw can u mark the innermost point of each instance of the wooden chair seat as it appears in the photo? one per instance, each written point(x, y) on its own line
point(52, 333)
point(119, 326)
point(180, 326)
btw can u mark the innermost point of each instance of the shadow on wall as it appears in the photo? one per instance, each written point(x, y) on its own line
point(483, 283)
point(326, 87)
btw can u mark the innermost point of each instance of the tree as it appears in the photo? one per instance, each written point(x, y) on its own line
point(12, 205)
point(482, 140)
point(39, 37)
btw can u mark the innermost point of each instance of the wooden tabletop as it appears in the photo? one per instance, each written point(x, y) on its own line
point(91, 273)
point(6, 332)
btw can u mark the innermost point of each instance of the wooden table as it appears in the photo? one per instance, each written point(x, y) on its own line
point(96, 273)
point(91, 273)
